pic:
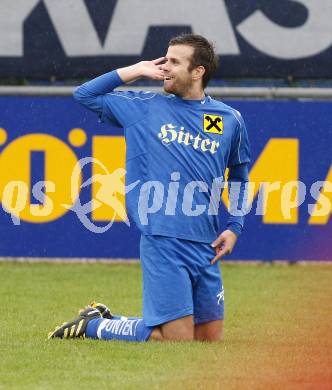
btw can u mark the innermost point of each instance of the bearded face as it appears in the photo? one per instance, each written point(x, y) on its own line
point(178, 78)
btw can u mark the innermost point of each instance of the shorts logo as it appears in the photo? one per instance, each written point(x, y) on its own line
point(220, 296)
point(213, 124)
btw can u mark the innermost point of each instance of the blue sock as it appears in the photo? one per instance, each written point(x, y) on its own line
point(118, 328)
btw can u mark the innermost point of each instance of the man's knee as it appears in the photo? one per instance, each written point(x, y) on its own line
point(209, 331)
point(181, 329)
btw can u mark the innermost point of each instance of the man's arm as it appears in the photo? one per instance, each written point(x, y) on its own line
point(92, 94)
point(237, 189)
point(88, 92)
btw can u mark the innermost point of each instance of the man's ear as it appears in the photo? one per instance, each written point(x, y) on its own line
point(198, 72)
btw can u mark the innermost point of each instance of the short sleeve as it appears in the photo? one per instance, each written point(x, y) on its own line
point(126, 107)
point(240, 149)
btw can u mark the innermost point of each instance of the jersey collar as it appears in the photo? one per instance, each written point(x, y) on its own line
point(190, 102)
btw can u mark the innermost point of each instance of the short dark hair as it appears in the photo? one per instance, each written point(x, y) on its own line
point(204, 54)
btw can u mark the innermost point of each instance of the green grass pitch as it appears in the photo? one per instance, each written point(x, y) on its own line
point(278, 331)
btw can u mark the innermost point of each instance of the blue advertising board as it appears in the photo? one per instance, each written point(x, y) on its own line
point(81, 38)
point(43, 138)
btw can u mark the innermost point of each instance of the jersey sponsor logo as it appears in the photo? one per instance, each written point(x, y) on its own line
point(213, 124)
point(171, 133)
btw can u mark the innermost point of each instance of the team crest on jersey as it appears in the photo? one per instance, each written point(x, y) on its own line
point(213, 124)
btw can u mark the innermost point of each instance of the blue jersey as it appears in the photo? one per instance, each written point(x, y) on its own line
point(178, 151)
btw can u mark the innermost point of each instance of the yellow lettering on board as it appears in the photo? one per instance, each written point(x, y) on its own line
point(276, 166)
point(322, 210)
point(108, 200)
point(15, 177)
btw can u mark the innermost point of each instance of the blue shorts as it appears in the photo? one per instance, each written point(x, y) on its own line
point(178, 280)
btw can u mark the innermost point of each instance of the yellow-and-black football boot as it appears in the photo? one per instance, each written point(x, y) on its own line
point(77, 327)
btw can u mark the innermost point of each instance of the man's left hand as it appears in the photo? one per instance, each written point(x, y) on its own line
point(224, 244)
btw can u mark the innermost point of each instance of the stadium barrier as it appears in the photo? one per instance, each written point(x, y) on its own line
point(218, 92)
point(44, 133)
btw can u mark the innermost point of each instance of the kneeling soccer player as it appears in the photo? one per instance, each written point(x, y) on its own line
point(180, 145)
